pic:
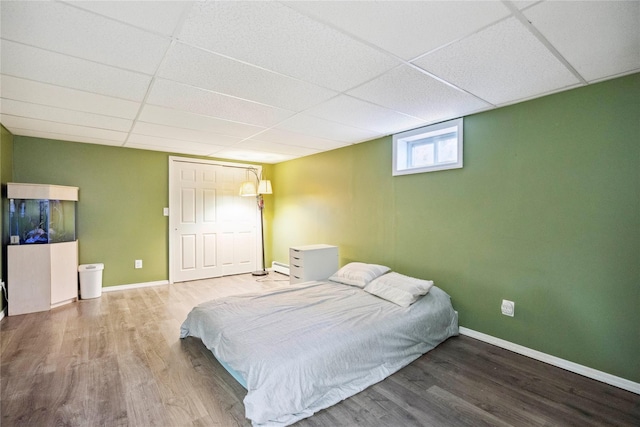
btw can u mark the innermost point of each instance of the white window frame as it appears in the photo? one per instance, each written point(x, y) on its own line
point(403, 143)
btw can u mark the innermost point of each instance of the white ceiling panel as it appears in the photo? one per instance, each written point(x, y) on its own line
point(183, 119)
point(159, 17)
point(273, 147)
point(406, 29)
point(172, 147)
point(62, 70)
point(275, 37)
point(364, 115)
point(61, 128)
point(170, 144)
point(285, 137)
point(269, 81)
point(53, 114)
point(65, 137)
point(152, 129)
point(587, 32)
point(70, 99)
point(251, 155)
point(411, 92)
point(326, 129)
point(224, 75)
point(166, 93)
point(65, 29)
point(501, 64)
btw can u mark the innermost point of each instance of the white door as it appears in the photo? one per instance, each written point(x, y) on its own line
point(214, 231)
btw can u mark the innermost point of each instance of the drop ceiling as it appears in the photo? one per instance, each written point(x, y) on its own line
point(270, 81)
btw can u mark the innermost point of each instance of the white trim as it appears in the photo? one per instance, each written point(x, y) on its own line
point(555, 361)
point(134, 286)
point(2, 313)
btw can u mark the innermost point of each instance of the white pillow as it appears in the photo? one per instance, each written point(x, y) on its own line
point(358, 273)
point(399, 289)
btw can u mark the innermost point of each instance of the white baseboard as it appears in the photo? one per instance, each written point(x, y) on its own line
point(2, 313)
point(134, 286)
point(555, 361)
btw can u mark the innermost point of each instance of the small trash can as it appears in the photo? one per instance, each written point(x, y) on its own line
point(90, 280)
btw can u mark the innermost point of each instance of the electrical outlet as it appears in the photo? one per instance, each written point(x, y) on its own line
point(138, 263)
point(508, 308)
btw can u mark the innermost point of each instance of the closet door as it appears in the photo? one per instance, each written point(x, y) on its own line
point(213, 230)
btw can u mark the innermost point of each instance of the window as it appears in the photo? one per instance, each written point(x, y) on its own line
point(427, 149)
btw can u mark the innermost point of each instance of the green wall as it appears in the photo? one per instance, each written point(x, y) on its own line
point(545, 212)
point(6, 170)
point(122, 194)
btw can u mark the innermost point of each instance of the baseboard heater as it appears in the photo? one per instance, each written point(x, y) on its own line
point(280, 267)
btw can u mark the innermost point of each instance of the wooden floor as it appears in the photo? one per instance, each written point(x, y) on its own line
point(118, 361)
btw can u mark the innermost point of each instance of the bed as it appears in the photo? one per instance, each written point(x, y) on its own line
point(303, 348)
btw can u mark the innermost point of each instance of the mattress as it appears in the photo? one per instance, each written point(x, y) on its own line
point(304, 348)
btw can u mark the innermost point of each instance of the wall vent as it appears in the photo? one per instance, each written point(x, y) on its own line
point(280, 267)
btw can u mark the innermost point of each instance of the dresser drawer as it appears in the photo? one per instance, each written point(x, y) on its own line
point(297, 262)
point(296, 274)
point(296, 254)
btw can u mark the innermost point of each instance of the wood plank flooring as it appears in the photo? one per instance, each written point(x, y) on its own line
point(118, 361)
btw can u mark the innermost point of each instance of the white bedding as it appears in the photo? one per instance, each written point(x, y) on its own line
point(304, 348)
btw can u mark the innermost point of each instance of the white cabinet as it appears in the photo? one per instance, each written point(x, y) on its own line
point(41, 276)
point(312, 262)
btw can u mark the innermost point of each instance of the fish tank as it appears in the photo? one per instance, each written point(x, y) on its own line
point(40, 220)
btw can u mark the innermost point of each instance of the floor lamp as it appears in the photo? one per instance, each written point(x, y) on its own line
point(247, 189)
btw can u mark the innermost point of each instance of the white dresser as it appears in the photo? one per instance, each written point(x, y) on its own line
point(312, 262)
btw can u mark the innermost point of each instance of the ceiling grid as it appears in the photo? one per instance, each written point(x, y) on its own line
point(272, 81)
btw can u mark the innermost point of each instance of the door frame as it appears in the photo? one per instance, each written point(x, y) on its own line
point(172, 187)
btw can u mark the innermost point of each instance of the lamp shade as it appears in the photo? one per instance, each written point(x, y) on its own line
point(247, 189)
point(264, 187)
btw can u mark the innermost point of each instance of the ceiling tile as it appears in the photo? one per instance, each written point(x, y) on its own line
point(235, 153)
point(219, 74)
point(599, 39)
point(501, 64)
point(70, 99)
point(53, 114)
point(285, 137)
point(171, 145)
point(183, 119)
point(61, 128)
point(151, 129)
point(275, 37)
point(321, 128)
point(62, 28)
point(49, 67)
point(406, 29)
point(174, 95)
point(411, 92)
point(273, 147)
point(64, 137)
point(364, 115)
point(157, 16)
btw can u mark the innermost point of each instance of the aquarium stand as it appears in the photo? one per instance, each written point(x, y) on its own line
point(42, 258)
